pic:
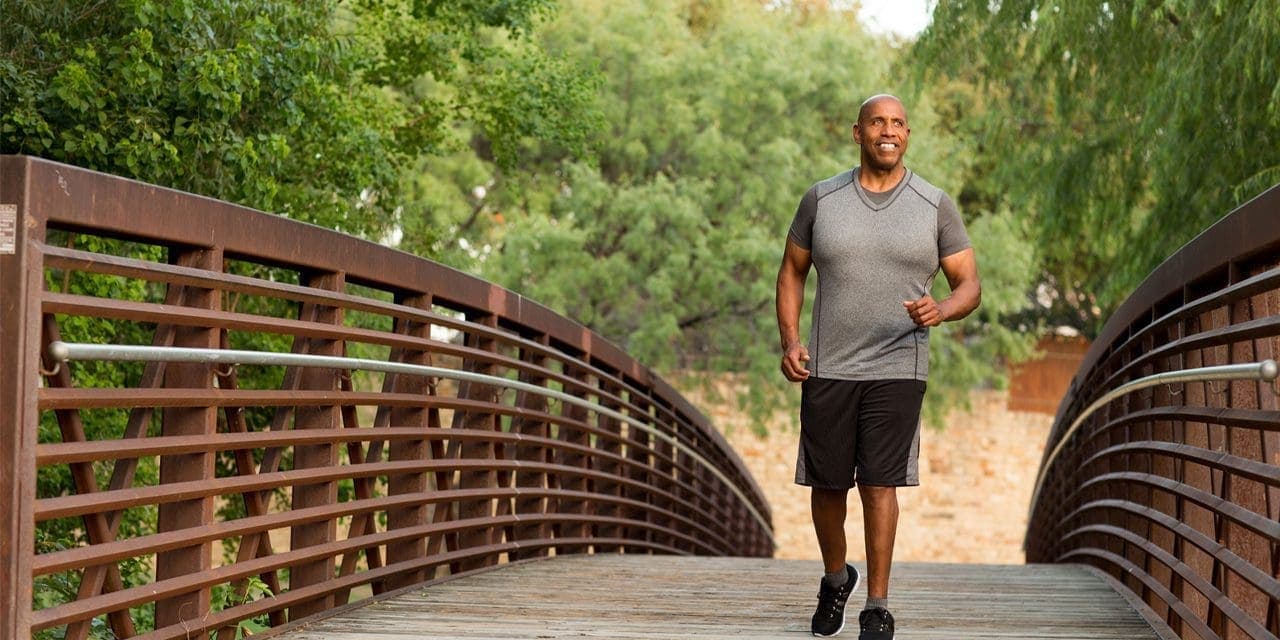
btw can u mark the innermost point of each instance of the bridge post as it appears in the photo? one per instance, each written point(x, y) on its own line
point(1251, 444)
point(532, 479)
point(611, 445)
point(666, 470)
point(639, 449)
point(414, 483)
point(483, 508)
point(192, 421)
point(574, 436)
point(316, 456)
point(20, 274)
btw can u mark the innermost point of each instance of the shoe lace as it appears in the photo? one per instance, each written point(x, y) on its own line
point(829, 601)
point(875, 620)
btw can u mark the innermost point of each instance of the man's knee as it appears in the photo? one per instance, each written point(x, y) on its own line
point(875, 496)
point(828, 499)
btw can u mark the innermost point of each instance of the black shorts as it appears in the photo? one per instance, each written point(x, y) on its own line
point(859, 432)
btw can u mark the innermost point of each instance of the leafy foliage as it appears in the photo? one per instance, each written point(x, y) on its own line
point(312, 110)
point(1120, 130)
point(668, 240)
point(717, 116)
point(248, 102)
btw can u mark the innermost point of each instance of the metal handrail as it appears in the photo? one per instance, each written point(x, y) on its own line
point(1202, 454)
point(67, 351)
point(230, 282)
point(1265, 370)
point(649, 487)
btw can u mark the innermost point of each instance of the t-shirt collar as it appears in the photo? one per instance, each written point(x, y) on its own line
point(889, 196)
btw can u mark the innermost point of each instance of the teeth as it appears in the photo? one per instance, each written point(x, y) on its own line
point(887, 145)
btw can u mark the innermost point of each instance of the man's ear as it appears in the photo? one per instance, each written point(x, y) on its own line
point(857, 134)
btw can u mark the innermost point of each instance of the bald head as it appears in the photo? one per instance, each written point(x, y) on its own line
point(882, 131)
point(876, 99)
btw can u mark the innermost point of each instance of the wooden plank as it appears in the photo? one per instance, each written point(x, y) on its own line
point(634, 597)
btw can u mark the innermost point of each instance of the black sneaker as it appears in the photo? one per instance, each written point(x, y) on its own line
point(876, 623)
point(828, 620)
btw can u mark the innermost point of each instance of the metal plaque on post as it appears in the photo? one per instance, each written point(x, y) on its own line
point(8, 229)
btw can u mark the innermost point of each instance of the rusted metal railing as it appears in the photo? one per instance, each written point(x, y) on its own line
point(1172, 490)
point(300, 419)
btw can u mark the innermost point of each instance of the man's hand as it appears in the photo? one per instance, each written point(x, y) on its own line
point(925, 312)
point(793, 360)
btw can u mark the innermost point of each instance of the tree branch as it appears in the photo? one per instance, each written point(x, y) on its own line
point(716, 313)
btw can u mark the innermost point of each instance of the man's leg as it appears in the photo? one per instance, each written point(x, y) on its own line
point(828, 507)
point(889, 453)
point(880, 526)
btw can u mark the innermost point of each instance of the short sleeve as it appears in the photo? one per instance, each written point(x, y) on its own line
point(952, 237)
point(802, 225)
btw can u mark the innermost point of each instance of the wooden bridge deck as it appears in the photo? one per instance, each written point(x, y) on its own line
point(624, 597)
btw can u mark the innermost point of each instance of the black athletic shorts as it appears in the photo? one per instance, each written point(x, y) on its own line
point(859, 432)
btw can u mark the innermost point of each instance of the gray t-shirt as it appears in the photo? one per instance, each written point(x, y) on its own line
point(872, 252)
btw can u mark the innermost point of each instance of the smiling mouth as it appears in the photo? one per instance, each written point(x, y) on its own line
point(887, 146)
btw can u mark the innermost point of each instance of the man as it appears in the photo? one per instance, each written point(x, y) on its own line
point(877, 236)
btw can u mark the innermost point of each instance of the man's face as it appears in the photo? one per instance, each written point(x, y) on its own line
point(882, 133)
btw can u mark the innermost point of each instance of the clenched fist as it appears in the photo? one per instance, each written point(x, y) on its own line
point(793, 360)
point(925, 312)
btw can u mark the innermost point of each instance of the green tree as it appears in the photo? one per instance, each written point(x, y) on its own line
point(312, 110)
point(1119, 129)
point(716, 118)
point(252, 102)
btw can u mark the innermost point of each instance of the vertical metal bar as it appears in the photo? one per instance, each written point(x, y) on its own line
point(666, 474)
point(532, 479)
point(21, 277)
point(1143, 463)
point(1177, 585)
point(573, 435)
point(694, 488)
point(194, 466)
point(706, 491)
point(251, 546)
point(1268, 305)
point(1164, 467)
point(1223, 575)
point(365, 488)
point(1218, 479)
point(609, 444)
point(410, 483)
point(1196, 475)
point(316, 456)
point(639, 449)
point(477, 450)
point(1249, 444)
point(441, 481)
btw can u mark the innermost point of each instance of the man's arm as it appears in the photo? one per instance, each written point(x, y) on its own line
point(961, 269)
point(790, 298)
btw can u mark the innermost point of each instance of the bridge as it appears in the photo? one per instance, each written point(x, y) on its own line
point(272, 428)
